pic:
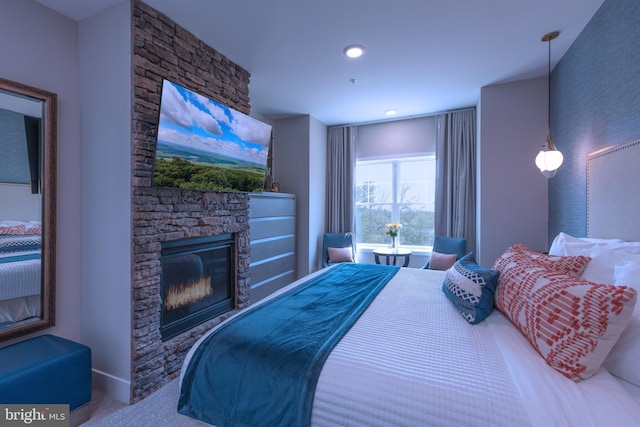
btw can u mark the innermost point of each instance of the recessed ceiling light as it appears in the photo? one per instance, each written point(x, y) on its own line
point(391, 112)
point(354, 50)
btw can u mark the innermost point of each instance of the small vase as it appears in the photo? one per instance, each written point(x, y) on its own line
point(393, 242)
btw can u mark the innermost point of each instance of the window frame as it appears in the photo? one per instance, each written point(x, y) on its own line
point(395, 162)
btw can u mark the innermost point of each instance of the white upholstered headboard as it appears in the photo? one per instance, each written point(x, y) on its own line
point(23, 205)
point(613, 192)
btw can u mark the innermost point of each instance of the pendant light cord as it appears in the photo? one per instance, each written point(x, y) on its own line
point(547, 38)
point(549, 92)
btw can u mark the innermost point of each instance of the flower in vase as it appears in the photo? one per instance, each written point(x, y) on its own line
point(393, 228)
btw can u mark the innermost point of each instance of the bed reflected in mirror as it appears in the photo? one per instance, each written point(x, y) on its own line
point(27, 210)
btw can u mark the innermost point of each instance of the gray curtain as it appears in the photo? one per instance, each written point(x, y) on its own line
point(455, 211)
point(341, 182)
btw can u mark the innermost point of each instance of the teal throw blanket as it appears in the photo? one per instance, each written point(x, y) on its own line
point(261, 368)
point(19, 257)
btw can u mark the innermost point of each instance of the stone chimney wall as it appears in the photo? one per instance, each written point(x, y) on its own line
point(164, 50)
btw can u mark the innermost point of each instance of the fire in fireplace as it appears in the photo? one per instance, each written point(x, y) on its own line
point(197, 281)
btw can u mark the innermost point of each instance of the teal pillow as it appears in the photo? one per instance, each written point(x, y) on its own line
point(471, 288)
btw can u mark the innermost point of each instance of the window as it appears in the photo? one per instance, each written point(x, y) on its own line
point(399, 189)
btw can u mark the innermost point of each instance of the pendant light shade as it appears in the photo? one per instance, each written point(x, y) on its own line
point(549, 159)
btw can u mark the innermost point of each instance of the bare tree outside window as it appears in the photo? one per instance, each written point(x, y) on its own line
point(396, 190)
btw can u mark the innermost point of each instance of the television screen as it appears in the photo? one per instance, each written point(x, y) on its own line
point(205, 145)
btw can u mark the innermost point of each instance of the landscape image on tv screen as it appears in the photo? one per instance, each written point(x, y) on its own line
point(205, 145)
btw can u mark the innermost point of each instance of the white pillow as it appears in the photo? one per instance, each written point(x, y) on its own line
point(601, 268)
point(628, 274)
point(558, 245)
point(622, 361)
point(604, 254)
point(8, 222)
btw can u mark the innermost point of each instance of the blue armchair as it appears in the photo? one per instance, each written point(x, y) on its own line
point(449, 245)
point(337, 240)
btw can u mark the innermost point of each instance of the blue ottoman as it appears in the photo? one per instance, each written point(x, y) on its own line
point(46, 370)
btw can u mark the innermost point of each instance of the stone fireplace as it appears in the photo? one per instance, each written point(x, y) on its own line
point(163, 216)
point(162, 49)
point(197, 282)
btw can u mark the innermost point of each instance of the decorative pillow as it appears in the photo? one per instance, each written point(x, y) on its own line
point(340, 254)
point(571, 322)
point(17, 243)
point(471, 288)
point(33, 227)
point(12, 227)
point(440, 261)
point(573, 265)
point(622, 361)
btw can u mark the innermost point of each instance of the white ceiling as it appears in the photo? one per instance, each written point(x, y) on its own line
point(422, 56)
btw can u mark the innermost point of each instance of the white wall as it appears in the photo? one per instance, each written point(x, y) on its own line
point(105, 86)
point(512, 193)
point(39, 48)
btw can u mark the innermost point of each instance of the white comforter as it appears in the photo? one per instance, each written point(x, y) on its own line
point(412, 360)
point(19, 279)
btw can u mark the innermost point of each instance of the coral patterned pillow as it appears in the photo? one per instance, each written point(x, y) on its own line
point(33, 227)
point(571, 322)
point(12, 227)
point(573, 265)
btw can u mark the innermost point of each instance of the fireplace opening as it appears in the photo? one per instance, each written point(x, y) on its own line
point(197, 281)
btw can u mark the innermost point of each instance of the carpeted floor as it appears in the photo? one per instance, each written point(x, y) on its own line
point(156, 410)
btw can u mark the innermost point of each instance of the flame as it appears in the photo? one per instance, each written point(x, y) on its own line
point(187, 293)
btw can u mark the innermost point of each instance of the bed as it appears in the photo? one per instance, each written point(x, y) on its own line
point(412, 359)
point(20, 270)
point(535, 340)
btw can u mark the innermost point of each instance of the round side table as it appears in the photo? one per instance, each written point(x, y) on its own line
point(391, 255)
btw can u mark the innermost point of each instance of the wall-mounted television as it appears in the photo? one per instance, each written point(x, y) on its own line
point(205, 145)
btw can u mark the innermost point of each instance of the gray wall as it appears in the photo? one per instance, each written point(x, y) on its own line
point(105, 57)
point(39, 48)
point(299, 164)
point(595, 103)
point(317, 191)
point(512, 193)
point(86, 63)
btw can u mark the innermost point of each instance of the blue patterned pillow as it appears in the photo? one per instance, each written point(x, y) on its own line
point(471, 288)
point(18, 243)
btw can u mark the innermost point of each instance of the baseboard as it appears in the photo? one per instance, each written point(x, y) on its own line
point(115, 387)
point(80, 415)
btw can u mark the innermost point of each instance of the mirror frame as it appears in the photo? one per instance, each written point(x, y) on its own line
point(48, 206)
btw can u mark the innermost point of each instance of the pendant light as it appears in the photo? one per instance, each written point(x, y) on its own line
point(549, 159)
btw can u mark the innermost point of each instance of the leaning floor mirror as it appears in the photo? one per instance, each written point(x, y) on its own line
point(27, 209)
